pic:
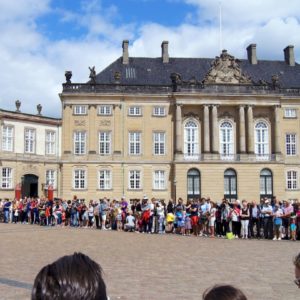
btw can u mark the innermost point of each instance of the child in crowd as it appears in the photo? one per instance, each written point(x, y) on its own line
point(293, 228)
point(188, 224)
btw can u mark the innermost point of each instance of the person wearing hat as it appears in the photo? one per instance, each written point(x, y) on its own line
point(267, 213)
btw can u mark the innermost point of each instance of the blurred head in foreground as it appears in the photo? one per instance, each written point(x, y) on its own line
point(223, 292)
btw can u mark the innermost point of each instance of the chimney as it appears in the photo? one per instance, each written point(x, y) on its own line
point(165, 52)
point(125, 52)
point(251, 51)
point(289, 56)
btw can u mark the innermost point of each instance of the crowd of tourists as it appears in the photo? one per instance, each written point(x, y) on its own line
point(198, 217)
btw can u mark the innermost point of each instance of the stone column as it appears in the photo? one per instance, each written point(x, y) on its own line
point(117, 129)
point(92, 135)
point(215, 129)
point(250, 130)
point(242, 129)
point(277, 135)
point(178, 128)
point(206, 129)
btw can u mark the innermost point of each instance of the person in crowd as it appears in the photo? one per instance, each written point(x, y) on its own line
point(130, 222)
point(170, 222)
point(103, 210)
point(254, 221)
point(145, 219)
point(194, 217)
point(212, 219)
point(297, 213)
point(267, 212)
point(277, 220)
point(223, 292)
point(188, 224)
point(160, 210)
point(245, 216)
point(6, 208)
point(297, 270)
point(63, 280)
point(225, 216)
point(219, 231)
point(235, 219)
point(288, 210)
point(293, 228)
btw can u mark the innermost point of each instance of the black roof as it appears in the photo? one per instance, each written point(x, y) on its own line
point(152, 71)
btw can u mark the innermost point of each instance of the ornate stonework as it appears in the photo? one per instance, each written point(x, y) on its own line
point(225, 69)
point(79, 123)
point(105, 123)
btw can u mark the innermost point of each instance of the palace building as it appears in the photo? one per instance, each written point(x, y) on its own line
point(164, 127)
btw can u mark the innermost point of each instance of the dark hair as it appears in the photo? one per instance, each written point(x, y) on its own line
point(70, 277)
point(223, 292)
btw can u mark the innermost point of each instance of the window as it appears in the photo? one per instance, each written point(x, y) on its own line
point(135, 111)
point(230, 185)
point(261, 140)
point(50, 142)
point(134, 143)
point(79, 142)
point(7, 138)
point(104, 142)
point(134, 180)
point(50, 178)
point(159, 182)
point(29, 140)
point(266, 184)
point(79, 179)
point(105, 180)
point(290, 113)
point(159, 111)
point(193, 184)
point(6, 180)
point(226, 140)
point(79, 110)
point(159, 143)
point(104, 110)
point(292, 180)
point(191, 139)
point(130, 73)
point(290, 144)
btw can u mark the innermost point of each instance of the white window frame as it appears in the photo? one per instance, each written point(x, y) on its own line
point(291, 144)
point(80, 110)
point(159, 111)
point(134, 180)
point(226, 140)
point(79, 142)
point(291, 180)
point(7, 138)
point(191, 140)
point(104, 142)
point(105, 110)
point(6, 178)
point(159, 180)
point(135, 111)
point(50, 142)
point(105, 179)
point(135, 143)
point(261, 140)
point(159, 143)
point(79, 179)
point(50, 178)
point(290, 112)
point(29, 140)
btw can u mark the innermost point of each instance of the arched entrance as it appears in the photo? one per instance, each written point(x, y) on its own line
point(30, 184)
point(193, 184)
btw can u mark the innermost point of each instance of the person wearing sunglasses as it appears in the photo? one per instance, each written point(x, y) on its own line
point(297, 270)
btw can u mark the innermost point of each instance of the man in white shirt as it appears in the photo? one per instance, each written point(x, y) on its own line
point(130, 222)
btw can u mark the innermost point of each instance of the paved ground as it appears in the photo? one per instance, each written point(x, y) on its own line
point(139, 266)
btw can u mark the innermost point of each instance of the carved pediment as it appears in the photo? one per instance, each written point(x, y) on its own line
point(225, 69)
point(191, 115)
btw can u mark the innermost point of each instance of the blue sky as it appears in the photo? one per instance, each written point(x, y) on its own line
point(40, 39)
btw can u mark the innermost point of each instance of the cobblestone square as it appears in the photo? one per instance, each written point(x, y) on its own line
point(140, 266)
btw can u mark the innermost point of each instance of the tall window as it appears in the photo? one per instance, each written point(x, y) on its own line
point(50, 178)
point(159, 143)
point(80, 110)
point(79, 179)
point(134, 179)
point(290, 144)
point(159, 181)
point(6, 180)
point(135, 111)
point(104, 142)
point(226, 140)
point(50, 142)
point(29, 140)
point(266, 184)
point(291, 180)
point(193, 184)
point(262, 140)
point(104, 110)
point(230, 184)
point(79, 142)
point(134, 143)
point(7, 138)
point(191, 139)
point(105, 180)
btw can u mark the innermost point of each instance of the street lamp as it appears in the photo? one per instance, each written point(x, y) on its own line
point(175, 182)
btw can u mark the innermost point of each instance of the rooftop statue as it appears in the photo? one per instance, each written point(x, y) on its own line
point(92, 74)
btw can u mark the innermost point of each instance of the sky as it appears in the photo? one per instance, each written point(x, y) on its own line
point(41, 39)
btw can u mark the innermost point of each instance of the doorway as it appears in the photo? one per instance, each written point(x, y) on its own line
point(30, 184)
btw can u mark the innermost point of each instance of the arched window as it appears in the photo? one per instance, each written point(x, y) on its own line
point(226, 140)
point(191, 139)
point(262, 140)
point(230, 184)
point(266, 184)
point(193, 184)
